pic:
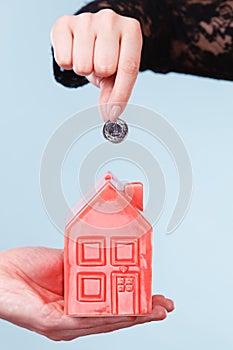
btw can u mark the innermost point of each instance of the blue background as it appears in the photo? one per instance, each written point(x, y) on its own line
point(194, 264)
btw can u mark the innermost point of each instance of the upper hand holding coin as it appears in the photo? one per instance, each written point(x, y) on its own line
point(106, 48)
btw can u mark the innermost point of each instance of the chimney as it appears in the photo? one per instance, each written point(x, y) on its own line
point(134, 190)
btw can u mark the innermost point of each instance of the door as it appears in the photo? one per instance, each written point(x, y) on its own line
point(125, 275)
point(125, 293)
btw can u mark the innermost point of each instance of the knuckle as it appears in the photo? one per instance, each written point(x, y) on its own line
point(130, 67)
point(104, 70)
point(112, 22)
point(136, 28)
point(84, 18)
point(63, 20)
point(134, 25)
point(133, 22)
point(82, 69)
point(84, 15)
point(108, 16)
point(59, 25)
point(106, 12)
point(64, 62)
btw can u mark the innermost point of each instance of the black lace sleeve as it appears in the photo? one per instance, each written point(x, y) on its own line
point(186, 36)
point(202, 38)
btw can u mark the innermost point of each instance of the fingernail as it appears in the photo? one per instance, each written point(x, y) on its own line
point(114, 113)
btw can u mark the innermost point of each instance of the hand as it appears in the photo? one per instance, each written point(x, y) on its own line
point(31, 296)
point(108, 55)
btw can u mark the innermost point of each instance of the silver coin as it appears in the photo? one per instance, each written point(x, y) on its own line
point(116, 131)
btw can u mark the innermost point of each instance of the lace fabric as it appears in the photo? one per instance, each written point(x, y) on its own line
point(202, 40)
point(186, 36)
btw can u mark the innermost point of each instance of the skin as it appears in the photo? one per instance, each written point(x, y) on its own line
point(31, 296)
point(109, 56)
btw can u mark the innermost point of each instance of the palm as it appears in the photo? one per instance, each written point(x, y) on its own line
point(31, 295)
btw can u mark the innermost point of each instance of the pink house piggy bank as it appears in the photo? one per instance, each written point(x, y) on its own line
point(108, 253)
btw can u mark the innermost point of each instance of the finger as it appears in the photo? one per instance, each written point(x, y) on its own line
point(83, 50)
point(61, 38)
point(71, 324)
point(158, 314)
point(168, 304)
point(160, 305)
point(106, 53)
point(127, 71)
point(68, 323)
point(106, 86)
point(94, 79)
point(105, 65)
point(113, 327)
point(70, 335)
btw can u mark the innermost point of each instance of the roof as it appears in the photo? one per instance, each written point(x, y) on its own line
point(106, 207)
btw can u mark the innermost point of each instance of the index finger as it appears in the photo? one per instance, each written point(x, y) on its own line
point(74, 323)
point(127, 70)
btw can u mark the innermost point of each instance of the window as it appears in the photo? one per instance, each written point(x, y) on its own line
point(91, 251)
point(124, 251)
point(91, 286)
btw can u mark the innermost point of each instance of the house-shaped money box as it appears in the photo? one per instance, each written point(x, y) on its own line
point(108, 252)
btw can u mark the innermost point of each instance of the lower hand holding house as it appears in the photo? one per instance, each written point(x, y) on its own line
point(32, 296)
